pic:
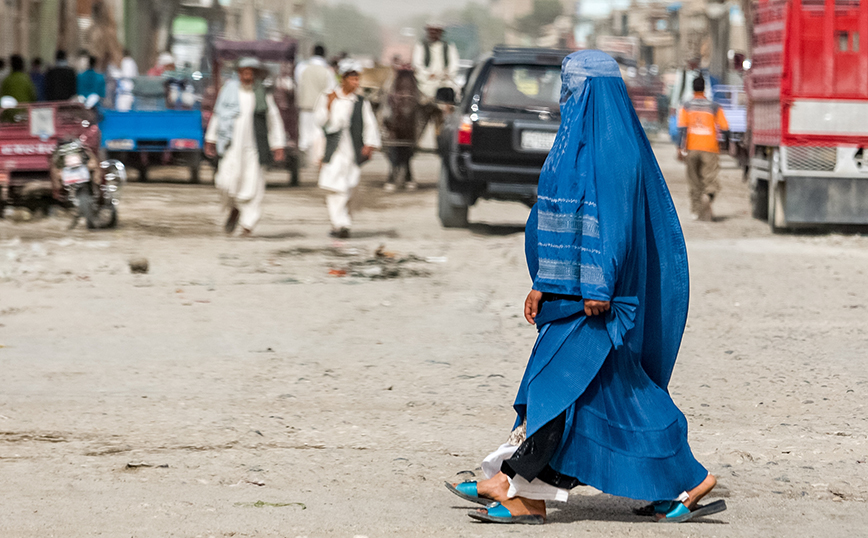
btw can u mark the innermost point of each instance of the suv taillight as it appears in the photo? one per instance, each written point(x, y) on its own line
point(465, 131)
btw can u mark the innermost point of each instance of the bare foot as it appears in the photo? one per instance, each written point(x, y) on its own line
point(700, 491)
point(495, 488)
point(519, 506)
point(697, 493)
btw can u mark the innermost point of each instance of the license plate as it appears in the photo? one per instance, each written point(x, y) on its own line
point(72, 176)
point(72, 161)
point(537, 140)
point(122, 144)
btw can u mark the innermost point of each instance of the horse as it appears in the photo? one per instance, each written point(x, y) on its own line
point(401, 119)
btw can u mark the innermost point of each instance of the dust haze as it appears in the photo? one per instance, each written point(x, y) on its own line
point(394, 11)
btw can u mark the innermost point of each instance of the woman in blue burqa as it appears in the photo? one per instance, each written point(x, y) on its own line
point(609, 298)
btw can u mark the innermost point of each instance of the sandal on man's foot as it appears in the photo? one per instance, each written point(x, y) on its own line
point(232, 221)
point(681, 513)
point(467, 491)
point(500, 514)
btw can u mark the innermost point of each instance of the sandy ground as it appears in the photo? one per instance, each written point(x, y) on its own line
point(239, 389)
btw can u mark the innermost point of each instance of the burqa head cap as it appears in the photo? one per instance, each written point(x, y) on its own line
point(579, 66)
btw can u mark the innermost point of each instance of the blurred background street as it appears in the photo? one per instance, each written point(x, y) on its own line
point(171, 402)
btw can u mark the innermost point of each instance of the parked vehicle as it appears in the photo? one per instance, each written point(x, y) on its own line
point(733, 102)
point(494, 144)
point(91, 188)
point(279, 58)
point(808, 113)
point(156, 121)
point(645, 89)
point(29, 134)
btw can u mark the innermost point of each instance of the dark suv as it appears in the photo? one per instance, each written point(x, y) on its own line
point(495, 143)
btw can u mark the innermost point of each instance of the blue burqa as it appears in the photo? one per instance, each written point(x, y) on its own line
point(605, 228)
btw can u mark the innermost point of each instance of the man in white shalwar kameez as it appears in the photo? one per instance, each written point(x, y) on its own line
point(313, 77)
point(245, 127)
point(436, 64)
point(352, 134)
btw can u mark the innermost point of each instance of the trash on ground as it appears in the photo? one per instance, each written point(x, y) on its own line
point(260, 504)
point(142, 464)
point(381, 252)
point(387, 265)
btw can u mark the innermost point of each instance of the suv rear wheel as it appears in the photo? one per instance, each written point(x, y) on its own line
point(451, 206)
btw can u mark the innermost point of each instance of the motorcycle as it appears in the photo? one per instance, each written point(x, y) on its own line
point(89, 187)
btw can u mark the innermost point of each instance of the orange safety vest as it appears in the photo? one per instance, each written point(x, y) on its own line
point(703, 119)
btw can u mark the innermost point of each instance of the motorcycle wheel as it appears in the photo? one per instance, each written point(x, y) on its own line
point(97, 216)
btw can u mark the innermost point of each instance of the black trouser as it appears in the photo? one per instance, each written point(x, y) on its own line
point(531, 459)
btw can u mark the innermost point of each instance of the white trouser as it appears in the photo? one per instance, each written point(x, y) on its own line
point(338, 204)
point(518, 486)
point(307, 129)
point(249, 211)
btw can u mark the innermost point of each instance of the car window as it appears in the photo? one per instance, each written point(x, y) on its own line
point(472, 77)
point(522, 87)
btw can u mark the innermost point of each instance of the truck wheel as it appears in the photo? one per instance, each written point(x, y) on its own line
point(451, 207)
point(759, 200)
point(195, 162)
point(777, 217)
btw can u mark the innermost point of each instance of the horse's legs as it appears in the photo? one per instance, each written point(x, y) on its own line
point(408, 169)
point(393, 165)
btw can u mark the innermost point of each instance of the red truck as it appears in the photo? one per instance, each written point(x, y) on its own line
point(808, 113)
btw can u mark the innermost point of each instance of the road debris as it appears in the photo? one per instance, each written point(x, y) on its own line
point(142, 464)
point(260, 504)
point(139, 265)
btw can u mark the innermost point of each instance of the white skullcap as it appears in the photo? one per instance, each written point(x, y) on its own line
point(348, 65)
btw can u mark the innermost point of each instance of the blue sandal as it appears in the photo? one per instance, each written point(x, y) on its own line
point(467, 491)
point(500, 514)
point(658, 507)
point(681, 513)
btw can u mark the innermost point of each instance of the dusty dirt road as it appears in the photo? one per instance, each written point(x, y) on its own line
point(239, 389)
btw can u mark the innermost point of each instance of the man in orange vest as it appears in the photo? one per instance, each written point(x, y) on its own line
point(700, 122)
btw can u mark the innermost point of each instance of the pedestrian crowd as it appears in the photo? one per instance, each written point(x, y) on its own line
point(59, 82)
